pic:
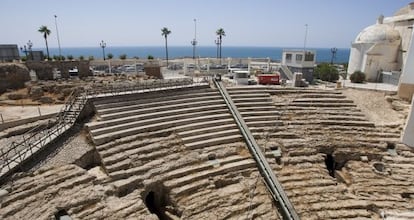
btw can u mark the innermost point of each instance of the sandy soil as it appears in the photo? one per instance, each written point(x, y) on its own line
point(10, 113)
point(375, 106)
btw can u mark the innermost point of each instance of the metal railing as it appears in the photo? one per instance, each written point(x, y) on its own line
point(38, 137)
point(287, 72)
point(147, 85)
point(273, 185)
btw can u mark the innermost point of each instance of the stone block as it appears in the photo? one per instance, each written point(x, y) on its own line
point(36, 92)
point(46, 100)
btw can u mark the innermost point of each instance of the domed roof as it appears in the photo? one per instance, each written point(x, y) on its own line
point(378, 33)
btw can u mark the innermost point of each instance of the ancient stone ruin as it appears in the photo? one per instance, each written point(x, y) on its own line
point(179, 154)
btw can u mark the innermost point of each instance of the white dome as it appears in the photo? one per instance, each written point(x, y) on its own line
point(378, 33)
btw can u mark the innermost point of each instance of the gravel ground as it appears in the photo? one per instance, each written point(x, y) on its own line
point(67, 149)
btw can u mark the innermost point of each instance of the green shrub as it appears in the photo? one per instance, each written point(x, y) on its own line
point(150, 57)
point(326, 72)
point(122, 56)
point(357, 77)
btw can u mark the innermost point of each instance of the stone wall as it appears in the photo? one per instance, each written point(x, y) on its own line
point(153, 70)
point(44, 69)
point(13, 76)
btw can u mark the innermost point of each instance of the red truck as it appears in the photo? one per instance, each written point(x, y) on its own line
point(269, 79)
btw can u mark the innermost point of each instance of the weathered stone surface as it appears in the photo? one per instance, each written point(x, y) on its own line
point(326, 169)
point(36, 92)
point(16, 96)
point(46, 100)
point(13, 76)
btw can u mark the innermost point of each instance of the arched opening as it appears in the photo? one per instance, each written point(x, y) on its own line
point(157, 205)
point(330, 164)
point(62, 215)
point(390, 145)
point(391, 148)
point(150, 202)
point(156, 198)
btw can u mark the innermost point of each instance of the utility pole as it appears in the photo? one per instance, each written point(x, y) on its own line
point(306, 36)
point(57, 34)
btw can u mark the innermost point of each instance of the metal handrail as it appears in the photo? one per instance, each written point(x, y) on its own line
point(273, 185)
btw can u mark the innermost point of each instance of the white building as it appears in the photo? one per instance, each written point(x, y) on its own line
point(375, 49)
point(382, 47)
point(388, 46)
point(299, 61)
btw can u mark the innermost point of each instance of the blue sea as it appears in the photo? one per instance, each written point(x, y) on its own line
point(275, 53)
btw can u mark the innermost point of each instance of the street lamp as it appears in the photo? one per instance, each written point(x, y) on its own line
point(30, 45)
point(57, 34)
point(103, 45)
point(27, 49)
point(333, 51)
point(194, 41)
point(24, 49)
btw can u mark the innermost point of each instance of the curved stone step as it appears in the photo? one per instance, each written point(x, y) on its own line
point(222, 169)
point(259, 113)
point(100, 139)
point(153, 107)
point(124, 124)
point(253, 104)
point(151, 113)
point(321, 100)
point(215, 141)
point(204, 124)
point(247, 95)
point(211, 135)
point(145, 97)
point(251, 99)
point(209, 129)
point(316, 104)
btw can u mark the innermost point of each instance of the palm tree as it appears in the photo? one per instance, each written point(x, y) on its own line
point(45, 31)
point(220, 33)
point(165, 32)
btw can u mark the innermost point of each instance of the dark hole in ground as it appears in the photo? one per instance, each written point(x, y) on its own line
point(391, 148)
point(380, 167)
point(62, 215)
point(211, 157)
point(158, 202)
point(150, 202)
point(332, 164)
point(156, 205)
point(390, 145)
point(407, 195)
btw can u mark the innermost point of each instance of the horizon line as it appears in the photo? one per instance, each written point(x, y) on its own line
point(287, 47)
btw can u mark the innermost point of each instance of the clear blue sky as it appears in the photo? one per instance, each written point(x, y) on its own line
point(279, 23)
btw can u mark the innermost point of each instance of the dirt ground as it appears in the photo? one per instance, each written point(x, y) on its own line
point(377, 109)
